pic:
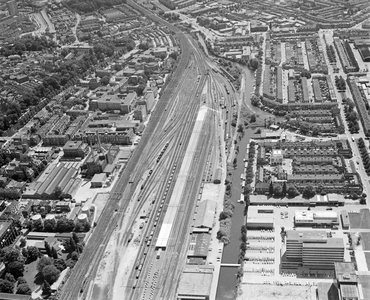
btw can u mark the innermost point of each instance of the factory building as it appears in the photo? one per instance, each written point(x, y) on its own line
point(311, 250)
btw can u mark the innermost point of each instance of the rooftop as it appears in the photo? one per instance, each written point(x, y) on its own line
point(196, 281)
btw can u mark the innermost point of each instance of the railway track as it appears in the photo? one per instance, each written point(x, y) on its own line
point(83, 271)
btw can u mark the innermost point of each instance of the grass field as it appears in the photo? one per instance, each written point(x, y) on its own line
point(360, 220)
point(367, 255)
point(365, 282)
point(365, 237)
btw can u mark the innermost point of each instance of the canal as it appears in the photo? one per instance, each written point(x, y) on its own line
point(227, 280)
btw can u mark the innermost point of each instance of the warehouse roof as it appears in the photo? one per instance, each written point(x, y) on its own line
point(205, 214)
point(196, 281)
point(202, 244)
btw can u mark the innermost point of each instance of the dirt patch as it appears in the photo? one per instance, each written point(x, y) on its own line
point(268, 292)
point(100, 201)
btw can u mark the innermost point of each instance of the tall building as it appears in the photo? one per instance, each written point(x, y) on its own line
point(12, 7)
point(312, 250)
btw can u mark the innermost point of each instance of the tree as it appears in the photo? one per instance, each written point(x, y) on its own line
point(50, 273)
point(224, 215)
point(21, 280)
point(46, 290)
point(37, 226)
point(47, 248)
point(25, 252)
point(243, 246)
point(253, 63)
point(284, 189)
point(306, 73)
point(9, 277)
point(278, 190)
point(60, 264)
point(49, 225)
point(253, 118)
point(54, 253)
point(75, 237)
point(70, 263)
point(105, 80)
point(16, 268)
point(309, 192)
point(23, 242)
point(6, 286)
point(57, 191)
point(271, 188)
point(33, 253)
point(140, 89)
point(64, 225)
point(23, 289)
point(255, 100)
point(74, 256)
point(174, 55)
point(292, 191)
point(69, 245)
point(9, 254)
point(43, 262)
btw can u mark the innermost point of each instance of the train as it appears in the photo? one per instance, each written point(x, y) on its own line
point(227, 90)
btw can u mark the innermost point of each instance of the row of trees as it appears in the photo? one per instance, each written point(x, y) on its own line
point(331, 54)
point(87, 6)
point(364, 155)
point(61, 225)
point(351, 116)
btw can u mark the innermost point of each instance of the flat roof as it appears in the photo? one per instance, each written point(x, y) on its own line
point(196, 281)
point(99, 177)
point(306, 234)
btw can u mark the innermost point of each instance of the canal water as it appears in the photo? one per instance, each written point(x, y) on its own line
point(227, 280)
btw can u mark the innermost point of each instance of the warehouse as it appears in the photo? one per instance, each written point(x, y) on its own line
point(205, 217)
point(198, 248)
point(195, 283)
point(260, 218)
point(55, 180)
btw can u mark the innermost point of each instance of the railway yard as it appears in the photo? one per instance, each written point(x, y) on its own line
point(142, 231)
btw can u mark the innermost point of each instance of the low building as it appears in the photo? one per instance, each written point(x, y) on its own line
point(316, 218)
point(195, 283)
point(98, 180)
